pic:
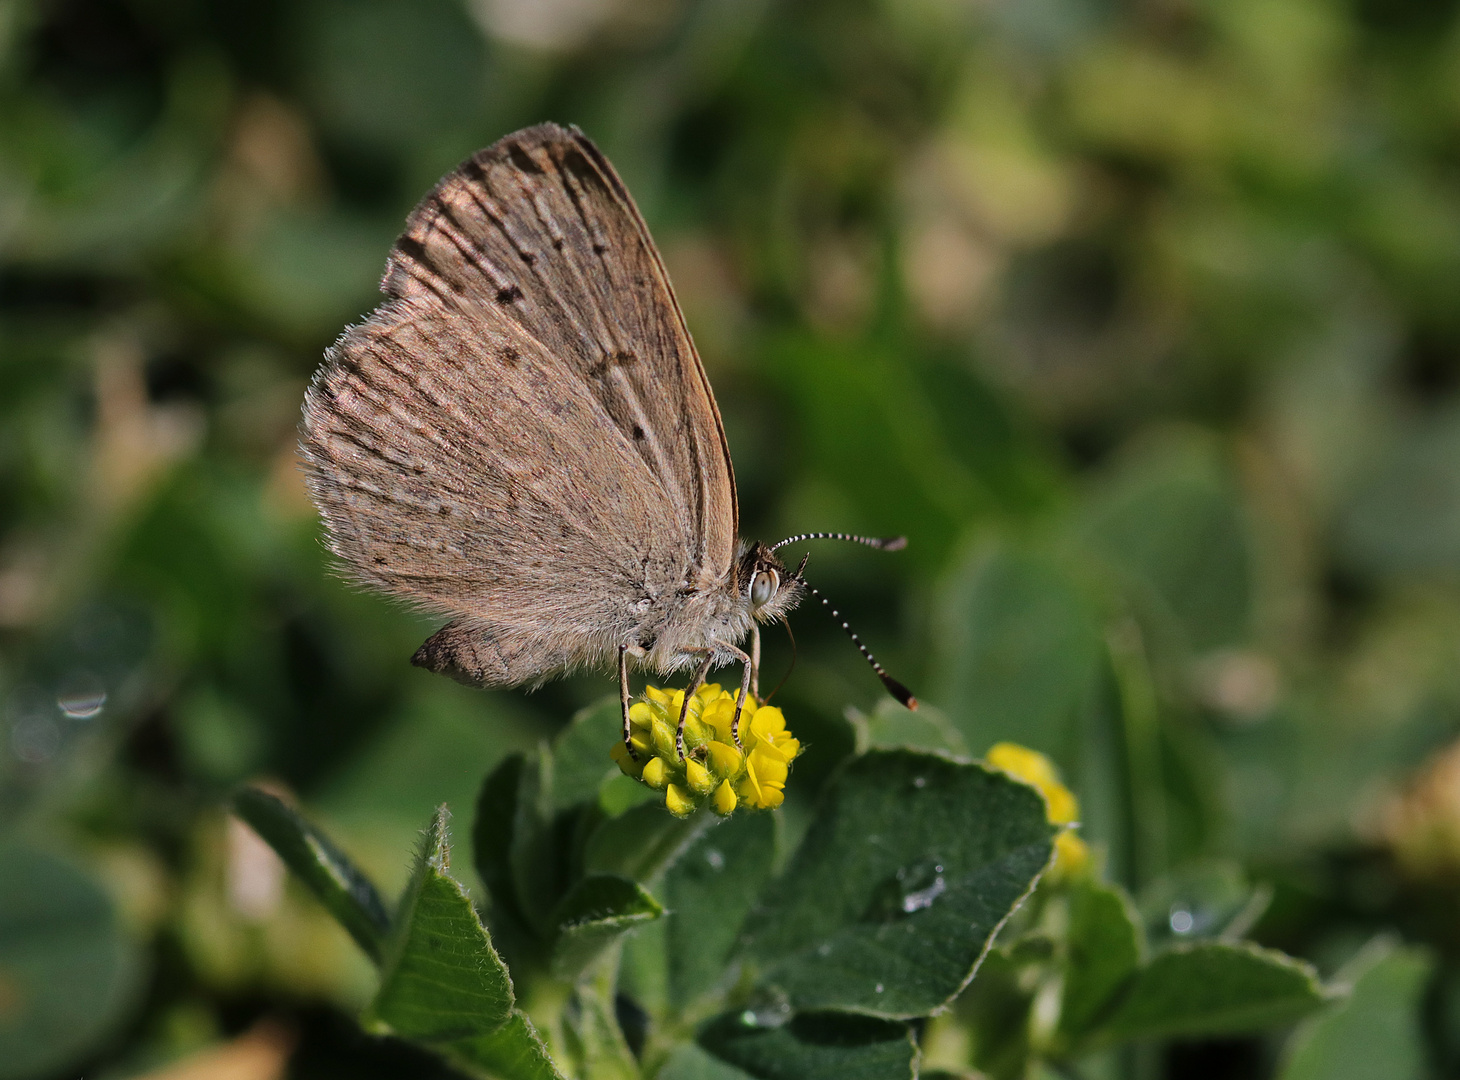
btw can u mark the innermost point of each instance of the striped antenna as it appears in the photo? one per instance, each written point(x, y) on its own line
point(890, 543)
point(895, 688)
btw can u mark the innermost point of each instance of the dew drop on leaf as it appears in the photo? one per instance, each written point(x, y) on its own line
point(81, 696)
point(770, 1014)
point(923, 898)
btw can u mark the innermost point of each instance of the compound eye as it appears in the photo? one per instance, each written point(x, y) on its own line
point(763, 587)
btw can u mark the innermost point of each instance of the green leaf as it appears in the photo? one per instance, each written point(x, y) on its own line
point(1213, 988)
point(891, 726)
point(709, 889)
point(69, 974)
point(514, 1051)
point(1404, 517)
point(995, 1010)
point(622, 793)
point(1018, 650)
point(1201, 900)
point(690, 1062)
point(597, 911)
point(1105, 948)
point(593, 1041)
point(540, 845)
point(491, 834)
point(344, 890)
point(1377, 1030)
point(910, 865)
point(809, 1046)
point(1171, 519)
point(580, 753)
point(638, 842)
point(442, 980)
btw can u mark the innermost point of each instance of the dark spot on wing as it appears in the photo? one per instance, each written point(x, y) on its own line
point(475, 170)
point(574, 161)
point(621, 358)
point(509, 295)
point(638, 433)
point(444, 510)
point(412, 247)
point(528, 257)
point(522, 159)
point(380, 560)
point(509, 355)
point(599, 249)
point(415, 251)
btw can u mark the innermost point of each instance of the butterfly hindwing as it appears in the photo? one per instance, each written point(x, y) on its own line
point(456, 469)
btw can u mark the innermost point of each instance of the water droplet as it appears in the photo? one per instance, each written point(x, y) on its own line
point(1182, 921)
point(920, 781)
point(919, 885)
point(715, 859)
point(81, 696)
point(824, 949)
point(768, 1014)
point(877, 989)
point(919, 899)
point(911, 889)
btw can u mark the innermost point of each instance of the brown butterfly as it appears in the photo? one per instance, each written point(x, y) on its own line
point(522, 438)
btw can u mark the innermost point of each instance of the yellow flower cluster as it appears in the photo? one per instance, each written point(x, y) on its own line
point(1072, 855)
point(714, 770)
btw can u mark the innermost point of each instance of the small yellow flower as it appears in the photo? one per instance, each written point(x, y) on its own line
point(725, 761)
point(1072, 855)
point(714, 769)
point(765, 775)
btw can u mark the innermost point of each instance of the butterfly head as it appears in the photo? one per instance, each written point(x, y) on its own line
point(766, 587)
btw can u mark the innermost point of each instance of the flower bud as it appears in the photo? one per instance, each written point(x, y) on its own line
point(626, 764)
point(698, 777)
point(679, 801)
point(656, 773)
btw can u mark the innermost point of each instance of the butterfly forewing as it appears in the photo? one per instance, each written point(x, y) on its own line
point(538, 231)
point(523, 437)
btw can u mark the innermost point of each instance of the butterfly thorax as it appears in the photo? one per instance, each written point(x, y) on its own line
point(718, 615)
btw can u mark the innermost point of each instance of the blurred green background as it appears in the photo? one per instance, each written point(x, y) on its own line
point(1140, 320)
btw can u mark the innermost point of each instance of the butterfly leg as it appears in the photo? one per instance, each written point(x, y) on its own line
point(755, 661)
point(690, 691)
point(623, 693)
point(746, 676)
